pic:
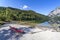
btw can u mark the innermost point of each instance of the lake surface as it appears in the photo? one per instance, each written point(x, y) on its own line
point(44, 24)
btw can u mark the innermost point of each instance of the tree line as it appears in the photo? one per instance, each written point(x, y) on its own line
point(14, 14)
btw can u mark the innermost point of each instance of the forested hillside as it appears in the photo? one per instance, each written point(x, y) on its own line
point(14, 14)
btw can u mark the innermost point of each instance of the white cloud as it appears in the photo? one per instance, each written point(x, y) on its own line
point(25, 7)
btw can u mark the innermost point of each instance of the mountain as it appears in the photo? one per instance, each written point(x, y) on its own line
point(55, 15)
point(55, 12)
point(14, 14)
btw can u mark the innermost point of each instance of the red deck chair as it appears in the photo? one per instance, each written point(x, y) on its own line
point(16, 30)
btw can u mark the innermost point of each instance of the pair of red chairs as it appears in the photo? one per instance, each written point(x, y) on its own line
point(16, 30)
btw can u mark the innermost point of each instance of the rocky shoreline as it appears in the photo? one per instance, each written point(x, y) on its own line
point(36, 33)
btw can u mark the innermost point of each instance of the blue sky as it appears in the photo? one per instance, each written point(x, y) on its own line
point(40, 6)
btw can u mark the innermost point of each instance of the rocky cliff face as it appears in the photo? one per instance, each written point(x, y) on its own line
point(55, 16)
point(55, 12)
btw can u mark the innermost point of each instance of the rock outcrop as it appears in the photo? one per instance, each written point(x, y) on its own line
point(55, 16)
